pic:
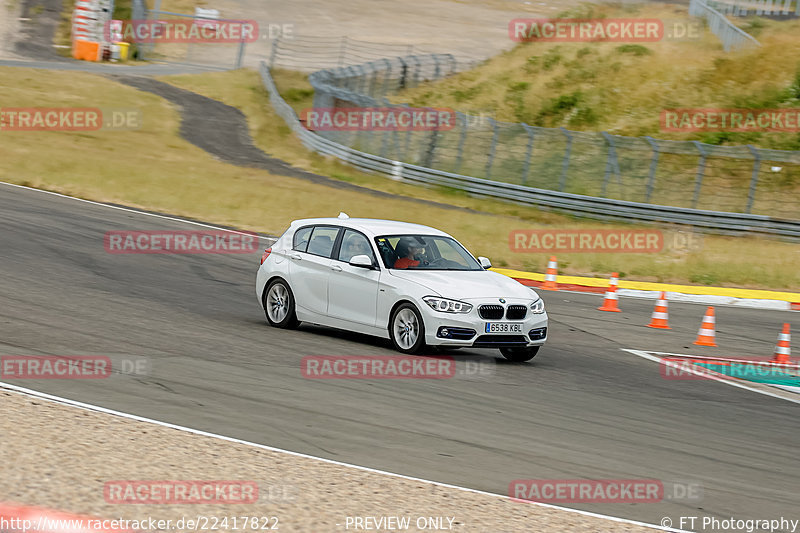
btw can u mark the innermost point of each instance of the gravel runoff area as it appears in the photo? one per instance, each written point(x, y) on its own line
point(61, 457)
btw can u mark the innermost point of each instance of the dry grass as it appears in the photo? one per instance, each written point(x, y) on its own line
point(623, 89)
point(154, 168)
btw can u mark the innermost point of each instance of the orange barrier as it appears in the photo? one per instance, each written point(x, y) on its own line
point(86, 50)
point(550, 283)
point(705, 337)
point(782, 350)
point(660, 313)
point(610, 301)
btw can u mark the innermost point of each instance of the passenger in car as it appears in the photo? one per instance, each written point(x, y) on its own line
point(407, 250)
point(356, 245)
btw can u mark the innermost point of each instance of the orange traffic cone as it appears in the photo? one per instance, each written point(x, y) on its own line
point(610, 301)
point(550, 277)
point(705, 337)
point(782, 350)
point(660, 315)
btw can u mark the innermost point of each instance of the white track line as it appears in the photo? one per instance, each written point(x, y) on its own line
point(89, 407)
point(646, 354)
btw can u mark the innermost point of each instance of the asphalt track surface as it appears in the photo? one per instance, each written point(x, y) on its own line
point(582, 409)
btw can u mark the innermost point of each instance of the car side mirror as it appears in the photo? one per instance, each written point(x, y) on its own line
point(361, 261)
point(484, 261)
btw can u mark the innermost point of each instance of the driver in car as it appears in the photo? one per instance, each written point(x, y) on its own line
point(407, 250)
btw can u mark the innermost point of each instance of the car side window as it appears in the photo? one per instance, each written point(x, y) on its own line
point(353, 244)
point(322, 239)
point(301, 239)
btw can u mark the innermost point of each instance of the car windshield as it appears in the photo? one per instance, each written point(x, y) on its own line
point(424, 252)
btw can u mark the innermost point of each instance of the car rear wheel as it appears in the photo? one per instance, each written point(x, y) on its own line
point(407, 330)
point(520, 355)
point(279, 305)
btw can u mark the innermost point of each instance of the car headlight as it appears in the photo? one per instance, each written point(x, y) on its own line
point(537, 307)
point(447, 306)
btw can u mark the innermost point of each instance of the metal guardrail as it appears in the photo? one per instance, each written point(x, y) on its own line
point(576, 204)
point(308, 54)
point(759, 8)
point(687, 174)
point(732, 38)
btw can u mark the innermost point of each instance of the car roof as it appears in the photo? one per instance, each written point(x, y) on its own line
point(372, 226)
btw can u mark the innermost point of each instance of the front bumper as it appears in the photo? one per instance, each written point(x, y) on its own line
point(469, 330)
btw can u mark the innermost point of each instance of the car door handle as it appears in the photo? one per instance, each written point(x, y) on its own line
point(336, 268)
point(296, 257)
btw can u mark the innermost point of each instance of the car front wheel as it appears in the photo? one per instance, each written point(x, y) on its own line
point(520, 355)
point(279, 305)
point(406, 329)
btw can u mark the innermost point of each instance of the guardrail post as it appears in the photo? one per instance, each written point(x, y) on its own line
point(651, 178)
point(701, 169)
point(528, 151)
point(461, 139)
point(492, 149)
point(562, 182)
point(751, 195)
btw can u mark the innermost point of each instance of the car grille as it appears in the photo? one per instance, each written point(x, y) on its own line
point(516, 312)
point(500, 341)
point(491, 312)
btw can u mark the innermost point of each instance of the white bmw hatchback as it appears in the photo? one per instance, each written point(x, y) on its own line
point(412, 284)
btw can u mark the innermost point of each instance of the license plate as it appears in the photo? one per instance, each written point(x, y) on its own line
point(500, 327)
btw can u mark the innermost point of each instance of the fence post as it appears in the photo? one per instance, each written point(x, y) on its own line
point(651, 178)
point(408, 140)
point(240, 54)
point(274, 52)
point(492, 150)
point(403, 74)
point(528, 151)
point(461, 139)
point(701, 169)
point(751, 195)
point(428, 161)
point(342, 51)
point(385, 141)
point(562, 182)
point(611, 161)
